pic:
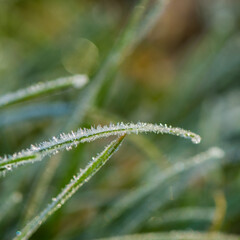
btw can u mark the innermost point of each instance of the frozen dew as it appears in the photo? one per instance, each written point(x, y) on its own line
point(70, 140)
point(196, 139)
point(8, 167)
point(75, 183)
point(79, 80)
point(34, 148)
point(74, 177)
point(68, 148)
point(76, 81)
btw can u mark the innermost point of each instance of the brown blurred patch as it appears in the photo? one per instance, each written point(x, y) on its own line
point(153, 62)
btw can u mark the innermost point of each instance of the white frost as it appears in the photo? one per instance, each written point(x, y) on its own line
point(70, 140)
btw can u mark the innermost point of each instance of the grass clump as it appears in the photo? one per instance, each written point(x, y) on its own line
point(136, 64)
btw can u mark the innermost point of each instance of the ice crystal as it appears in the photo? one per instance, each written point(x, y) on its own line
point(70, 140)
point(76, 81)
point(75, 183)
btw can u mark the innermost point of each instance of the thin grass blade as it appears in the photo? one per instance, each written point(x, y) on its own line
point(126, 42)
point(176, 236)
point(42, 88)
point(76, 182)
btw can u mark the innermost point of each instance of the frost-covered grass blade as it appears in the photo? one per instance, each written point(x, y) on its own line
point(76, 182)
point(191, 235)
point(76, 81)
point(67, 141)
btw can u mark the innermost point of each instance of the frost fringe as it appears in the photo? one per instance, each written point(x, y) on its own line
point(76, 182)
point(76, 81)
point(67, 141)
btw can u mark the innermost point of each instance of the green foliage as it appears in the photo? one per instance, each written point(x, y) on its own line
point(77, 81)
point(132, 63)
point(175, 236)
point(67, 141)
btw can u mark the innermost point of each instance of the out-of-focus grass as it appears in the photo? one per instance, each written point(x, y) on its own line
point(184, 70)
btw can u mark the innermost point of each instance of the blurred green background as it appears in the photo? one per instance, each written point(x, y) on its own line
point(182, 71)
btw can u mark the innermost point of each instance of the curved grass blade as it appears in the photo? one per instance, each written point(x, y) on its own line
point(127, 41)
point(38, 152)
point(76, 81)
point(144, 144)
point(178, 235)
point(36, 196)
point(76, 182)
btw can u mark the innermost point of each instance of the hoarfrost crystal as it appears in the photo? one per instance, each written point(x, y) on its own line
point(67, 141)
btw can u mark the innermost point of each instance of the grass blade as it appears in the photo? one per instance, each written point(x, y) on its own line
point(124, 45)
point(38, 152)
point(144, 144)
point(76, 81)
point(75, 183)
point(176, 236)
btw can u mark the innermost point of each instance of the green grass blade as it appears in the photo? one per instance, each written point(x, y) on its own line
point(42, 88)
point(123, 47)
point(38, 152)
point(176, 236)
point(144, 144)
point(36, 196)
point(76, 182)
